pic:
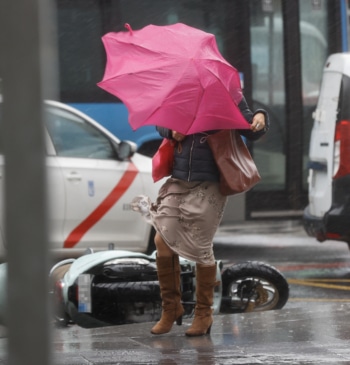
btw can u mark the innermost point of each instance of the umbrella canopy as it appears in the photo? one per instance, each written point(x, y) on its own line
point(173, 76)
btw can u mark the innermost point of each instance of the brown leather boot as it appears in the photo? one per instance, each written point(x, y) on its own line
point(168, 269)
point(203, 313)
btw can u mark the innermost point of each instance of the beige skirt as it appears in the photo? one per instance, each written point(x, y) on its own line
point(187, 215)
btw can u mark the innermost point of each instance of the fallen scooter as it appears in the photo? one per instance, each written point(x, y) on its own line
point(116, 287)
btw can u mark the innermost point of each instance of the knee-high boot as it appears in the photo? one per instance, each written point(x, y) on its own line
point(203, 313)
point(168, 269)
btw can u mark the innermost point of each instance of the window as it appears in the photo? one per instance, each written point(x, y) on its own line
point(73, 136)
point(269, 93)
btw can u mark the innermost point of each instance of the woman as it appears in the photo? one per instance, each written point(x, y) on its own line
point(186, 216)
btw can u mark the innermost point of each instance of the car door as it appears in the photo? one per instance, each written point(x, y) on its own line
point(98, 187)
point(56, 195)
point(321, 164)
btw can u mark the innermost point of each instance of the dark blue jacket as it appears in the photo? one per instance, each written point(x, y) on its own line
point(193, 159)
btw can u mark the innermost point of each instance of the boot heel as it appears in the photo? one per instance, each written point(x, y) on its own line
point(208, 330)
point(179, 321)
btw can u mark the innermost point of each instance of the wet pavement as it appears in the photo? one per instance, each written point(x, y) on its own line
point(308, 330)
point(317, 335)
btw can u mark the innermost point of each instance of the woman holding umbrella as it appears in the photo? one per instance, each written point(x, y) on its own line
point(186, 216)
point(175, 78)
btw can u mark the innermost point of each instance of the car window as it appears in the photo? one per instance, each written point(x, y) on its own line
point(73, 136)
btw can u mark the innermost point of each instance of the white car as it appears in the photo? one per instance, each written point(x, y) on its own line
point(92, 179)
point(327, 215)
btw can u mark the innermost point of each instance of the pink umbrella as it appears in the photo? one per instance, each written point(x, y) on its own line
point(173, 76)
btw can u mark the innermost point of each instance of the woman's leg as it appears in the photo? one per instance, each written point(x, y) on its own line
point(163, 250)
point(168, 269)
point(203, 318)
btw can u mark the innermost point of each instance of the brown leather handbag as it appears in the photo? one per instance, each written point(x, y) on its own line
point(238, 172)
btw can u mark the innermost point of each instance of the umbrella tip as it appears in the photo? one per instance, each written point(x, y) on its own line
point(128, 27)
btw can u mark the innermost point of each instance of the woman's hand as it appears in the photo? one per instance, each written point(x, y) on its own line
point(258, 122)
point(178, 136)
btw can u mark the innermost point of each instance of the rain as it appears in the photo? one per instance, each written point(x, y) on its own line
point(294, 219)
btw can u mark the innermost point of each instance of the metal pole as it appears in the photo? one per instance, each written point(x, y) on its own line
point(294, 102)
point(27, 54)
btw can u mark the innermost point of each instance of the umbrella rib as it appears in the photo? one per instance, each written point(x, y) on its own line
point(198, 104)
point(239, 88)
point(171, 90)
point(201, 85)
point(137, 72)
point(148, 50)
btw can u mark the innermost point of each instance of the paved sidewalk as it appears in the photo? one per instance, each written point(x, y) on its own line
point(319, 335)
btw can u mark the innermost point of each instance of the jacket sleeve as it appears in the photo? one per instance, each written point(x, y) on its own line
point(248, 115)
point(164, 132)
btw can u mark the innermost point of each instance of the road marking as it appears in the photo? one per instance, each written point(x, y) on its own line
point(318, 300)
point(322, 283)
point(329, 280)
point(329, 265)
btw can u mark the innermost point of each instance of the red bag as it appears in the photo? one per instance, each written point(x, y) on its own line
point(162, 161)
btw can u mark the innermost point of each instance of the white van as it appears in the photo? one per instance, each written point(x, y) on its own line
point(327, 217)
